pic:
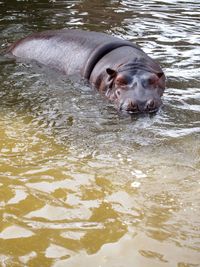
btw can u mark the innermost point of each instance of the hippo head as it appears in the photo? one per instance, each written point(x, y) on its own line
point(136, 91)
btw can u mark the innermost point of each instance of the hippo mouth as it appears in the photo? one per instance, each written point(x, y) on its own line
point(136, 110)
point(132, 112)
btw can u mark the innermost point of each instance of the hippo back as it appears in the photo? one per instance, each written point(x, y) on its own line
point(70, 51)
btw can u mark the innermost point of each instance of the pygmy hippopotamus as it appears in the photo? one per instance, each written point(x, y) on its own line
point(117, 68)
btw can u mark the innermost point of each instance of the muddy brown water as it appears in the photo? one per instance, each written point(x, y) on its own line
point(81, 184)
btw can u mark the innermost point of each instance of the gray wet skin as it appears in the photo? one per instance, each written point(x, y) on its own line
point(117, 68)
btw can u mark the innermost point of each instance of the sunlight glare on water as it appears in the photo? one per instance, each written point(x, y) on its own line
point(81, 184)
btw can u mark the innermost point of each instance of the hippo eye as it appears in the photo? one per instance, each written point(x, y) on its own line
point(121, 81)
point(150, 81)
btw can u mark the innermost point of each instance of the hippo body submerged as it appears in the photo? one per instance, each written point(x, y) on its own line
point(117, 68)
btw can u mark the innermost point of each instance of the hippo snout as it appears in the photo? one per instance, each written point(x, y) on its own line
point(136, 106)
point(151, 105)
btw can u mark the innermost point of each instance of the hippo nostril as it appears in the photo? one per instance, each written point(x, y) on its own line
point(132, 107)
point(150, 105)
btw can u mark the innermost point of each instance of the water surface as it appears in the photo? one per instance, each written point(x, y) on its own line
point(81, 184)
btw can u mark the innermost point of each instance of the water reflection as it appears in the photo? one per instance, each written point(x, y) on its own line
point(81, 184)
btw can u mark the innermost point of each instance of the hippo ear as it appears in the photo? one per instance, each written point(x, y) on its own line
point(112, 73)
point(159, 74)
point(154, 78)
